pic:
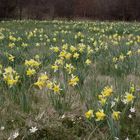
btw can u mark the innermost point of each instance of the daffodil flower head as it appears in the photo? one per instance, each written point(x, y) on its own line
point(100, 115)
point(116, 115)
point(107, 91)
point(89, 114)
point(129, 97)
point(74, 80)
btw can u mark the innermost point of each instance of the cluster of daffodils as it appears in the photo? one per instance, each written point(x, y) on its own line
point(44, 82)
point(99, 114)
point(74, 80)
point(122, 58)
point(108, 106)
point(109, 111)
point(31, 65)
point(67, 59)
point(107, 92)
point(10, 76)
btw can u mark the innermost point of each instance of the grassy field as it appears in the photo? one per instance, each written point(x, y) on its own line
point(64, 80)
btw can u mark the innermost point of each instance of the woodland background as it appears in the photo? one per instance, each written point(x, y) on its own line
point(72, 9)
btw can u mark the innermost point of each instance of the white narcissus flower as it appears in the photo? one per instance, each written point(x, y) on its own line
point(15, 135)
point(63, 116)
point(132, 110)
point(9, 138)
point(116, 138)
point(113, 104)
point(130, 116)
point(2, 128)
point(127, 138)
point(33, 129)
point(124, 101)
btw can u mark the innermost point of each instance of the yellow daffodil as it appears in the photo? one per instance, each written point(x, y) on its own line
point(55, 49)
point(102, 101)
point(129, 97)
point(62, 54)
point(73, 49)
point(88, 62)
point(116, 115)
point(10, 76)
point(89, 114)
point(56, 88)
point(76, 55)
point(70, 68)
point(30, 72)
point(68, 56)
point(129, 53)
point(55, 67)
point(11, 58)
point(11, 45)
point(74, 80)
point(32, 63)
point(42, 81)
point(107, 91)
point(100, 115)
point(49, 85)
point(121, 57)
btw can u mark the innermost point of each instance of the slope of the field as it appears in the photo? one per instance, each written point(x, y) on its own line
point(63, 80)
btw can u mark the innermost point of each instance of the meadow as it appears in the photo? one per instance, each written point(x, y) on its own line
point(64, 80)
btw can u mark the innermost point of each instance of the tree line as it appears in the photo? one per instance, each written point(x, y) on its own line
point(92, 9)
